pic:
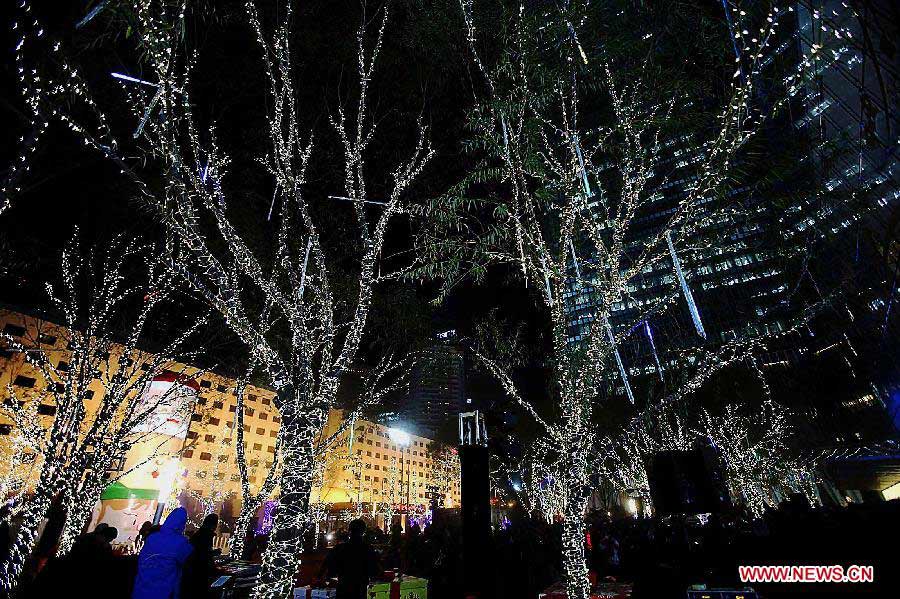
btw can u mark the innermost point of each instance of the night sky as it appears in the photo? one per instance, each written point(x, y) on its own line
point(424, 69)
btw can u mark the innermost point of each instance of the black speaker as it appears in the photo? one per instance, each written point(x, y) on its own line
point(681, 482)
point(475, 499)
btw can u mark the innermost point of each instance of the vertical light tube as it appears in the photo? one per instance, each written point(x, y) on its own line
point(692, 306)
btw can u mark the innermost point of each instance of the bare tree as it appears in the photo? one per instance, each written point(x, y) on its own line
point(758, 464)
point(562, 203)
point(752, 441)
point(281, 300)
point(95, 397)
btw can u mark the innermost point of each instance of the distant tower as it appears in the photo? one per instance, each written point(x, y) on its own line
point(437, 386)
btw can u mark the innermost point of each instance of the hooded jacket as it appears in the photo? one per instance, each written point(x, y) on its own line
point(162, 559)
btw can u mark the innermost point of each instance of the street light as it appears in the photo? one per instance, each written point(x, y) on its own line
point(399, 436)
point(402, 439)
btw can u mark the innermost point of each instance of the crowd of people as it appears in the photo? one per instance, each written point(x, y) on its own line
point(664, 556)
point(659, 557)
point(168, 566)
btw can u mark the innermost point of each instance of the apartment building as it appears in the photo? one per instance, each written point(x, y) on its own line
point(362, 464)
point(375, 465)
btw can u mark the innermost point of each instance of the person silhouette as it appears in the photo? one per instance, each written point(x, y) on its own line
point(146, 530)
point(161, 560)
point(353, 563)
point(199, 569)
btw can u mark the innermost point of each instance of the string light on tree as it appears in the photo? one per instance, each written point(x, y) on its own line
point(565, 208)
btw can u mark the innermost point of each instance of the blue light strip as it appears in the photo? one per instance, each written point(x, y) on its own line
point(649, 332)
point(727, 9)
point(692, 306)
point(125, 77)
point(575, 263)
point(146, 117)
point(93, 13)
point(584, 177)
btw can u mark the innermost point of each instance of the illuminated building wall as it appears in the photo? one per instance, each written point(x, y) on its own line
point(205, 458)
point(209, 436)
point(375, 468)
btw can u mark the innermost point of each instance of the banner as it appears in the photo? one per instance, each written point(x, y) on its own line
point(171, 399)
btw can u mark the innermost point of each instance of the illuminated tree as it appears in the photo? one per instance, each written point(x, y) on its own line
point(282, 299)
point(752, 445)
point(755, 455)
point(391, 495)
point(18, 455)
point(250, 500)
point(575, 145)
point(445, 471)
point(211, 491)
point(94, 397)
point(622, 458)
point(542, 491)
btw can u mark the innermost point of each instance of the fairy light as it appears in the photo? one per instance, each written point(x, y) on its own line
point(250, 500)
point(547, 209)
point(83, 442)
point(212, 491)
point(56, 91)
point(299, 287)
point(751, 443)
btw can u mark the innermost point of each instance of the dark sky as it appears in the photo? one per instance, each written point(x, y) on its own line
point(423, 70)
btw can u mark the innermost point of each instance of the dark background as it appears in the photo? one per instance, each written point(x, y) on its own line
point(424, 69)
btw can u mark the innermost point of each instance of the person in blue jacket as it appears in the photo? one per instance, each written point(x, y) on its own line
point(162, 560)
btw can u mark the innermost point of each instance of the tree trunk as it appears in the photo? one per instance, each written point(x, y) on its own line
point(76, 520)
point(249, 505)
point(80, 507)
point(573, 558)
point(26, 538)
point(282, 556)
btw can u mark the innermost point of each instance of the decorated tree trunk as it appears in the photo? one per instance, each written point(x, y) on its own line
point(26, 538)
point(573, 547)
point(292, 518)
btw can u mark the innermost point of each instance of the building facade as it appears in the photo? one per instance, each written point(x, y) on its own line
point(437, 387)
point(379, 467)
point(361, 468)
point(755, 277)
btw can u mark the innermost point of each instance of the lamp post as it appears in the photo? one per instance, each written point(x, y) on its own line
point(475, 497)
point(402, 439)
